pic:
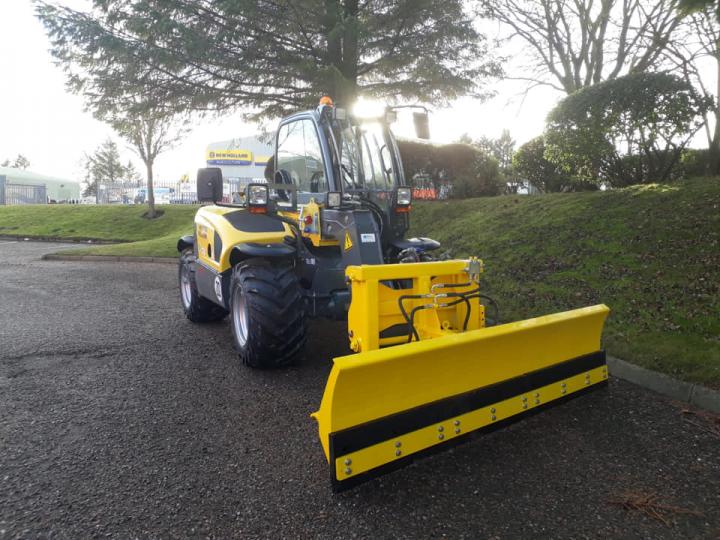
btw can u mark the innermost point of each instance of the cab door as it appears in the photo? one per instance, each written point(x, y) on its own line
point(300, 152)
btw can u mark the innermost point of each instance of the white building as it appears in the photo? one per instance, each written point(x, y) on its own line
point(242, 160)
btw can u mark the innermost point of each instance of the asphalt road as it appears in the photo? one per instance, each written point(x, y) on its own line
point(118, 417)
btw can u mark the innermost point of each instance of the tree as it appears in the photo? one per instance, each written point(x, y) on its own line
point(103, 166)
point(694, 6)
point(269, 56)
point(531, 166)
point(502, 150)
point(132, 176)
point(698, 39)
point(465, 138)
point(629, 130)
point(149, 135)
point(20, 162)
point(480, 178)
point(575, 44)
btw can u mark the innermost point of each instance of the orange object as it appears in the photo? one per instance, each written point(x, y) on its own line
point(326, 100)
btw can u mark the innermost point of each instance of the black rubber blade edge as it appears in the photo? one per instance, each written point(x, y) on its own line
point(382, 429)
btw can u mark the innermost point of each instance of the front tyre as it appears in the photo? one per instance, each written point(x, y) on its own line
point(267, 314)
point(196, 308)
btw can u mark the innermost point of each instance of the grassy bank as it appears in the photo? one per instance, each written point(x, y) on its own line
point(127, 224)
point(651, 253)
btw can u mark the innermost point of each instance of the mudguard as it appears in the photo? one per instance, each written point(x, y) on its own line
point(253, 249)
point(185, 242)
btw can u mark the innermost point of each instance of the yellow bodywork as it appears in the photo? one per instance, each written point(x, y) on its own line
point(312, 230)
point(374, 305)
point(382, 382)
point(209, 220)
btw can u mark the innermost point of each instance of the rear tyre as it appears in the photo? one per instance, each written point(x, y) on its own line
point(267, 314)
point(196, 308)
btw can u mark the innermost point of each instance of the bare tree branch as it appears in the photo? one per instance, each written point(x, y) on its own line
point(578, 43)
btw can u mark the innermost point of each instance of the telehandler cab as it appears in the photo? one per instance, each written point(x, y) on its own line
point(327, 239)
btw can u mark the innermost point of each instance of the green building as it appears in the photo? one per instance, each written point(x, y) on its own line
point(22, 187)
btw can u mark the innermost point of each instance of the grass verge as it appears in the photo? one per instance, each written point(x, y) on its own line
point(651, 253)
point(139, 236)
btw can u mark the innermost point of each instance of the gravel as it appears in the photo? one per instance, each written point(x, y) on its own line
point(118, 417)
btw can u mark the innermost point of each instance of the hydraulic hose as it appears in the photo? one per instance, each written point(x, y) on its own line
point(461, 297)
point(413, 331)
point(494, 304)
point(454, 303)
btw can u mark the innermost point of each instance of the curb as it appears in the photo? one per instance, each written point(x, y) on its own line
point(56, 239)
point(108, 258)
point(695, 394)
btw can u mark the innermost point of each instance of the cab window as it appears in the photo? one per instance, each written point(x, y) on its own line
point(300, 154)
point(379, 154)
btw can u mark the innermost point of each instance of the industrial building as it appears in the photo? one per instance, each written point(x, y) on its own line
point(242, 160)
point(19, 186)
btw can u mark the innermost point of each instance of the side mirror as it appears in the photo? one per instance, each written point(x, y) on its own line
point(422, 125)
point(209, 184)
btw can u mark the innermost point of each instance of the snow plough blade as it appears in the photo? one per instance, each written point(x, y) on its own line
point(384, 407)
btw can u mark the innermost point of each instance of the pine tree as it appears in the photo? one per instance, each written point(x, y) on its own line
point(270, 57)
point(103, 167)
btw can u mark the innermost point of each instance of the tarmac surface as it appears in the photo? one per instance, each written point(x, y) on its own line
point(118, 417)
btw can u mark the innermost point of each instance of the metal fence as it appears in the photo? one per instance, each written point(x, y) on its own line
point(11, 194)
point(165, 192)
point(122, 193)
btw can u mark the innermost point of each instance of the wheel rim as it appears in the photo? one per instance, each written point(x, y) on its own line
point(185, 288)
point(240, 316)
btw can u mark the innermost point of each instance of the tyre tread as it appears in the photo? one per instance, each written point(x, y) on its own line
point(201, 309)
point(278, 329)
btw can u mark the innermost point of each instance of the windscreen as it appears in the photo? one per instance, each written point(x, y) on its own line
point(366, 159)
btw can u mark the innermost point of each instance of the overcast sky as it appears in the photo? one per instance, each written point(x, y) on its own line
point(41, 120)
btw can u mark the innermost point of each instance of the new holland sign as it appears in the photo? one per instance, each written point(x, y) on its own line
point(235, 157)
point(229, 157)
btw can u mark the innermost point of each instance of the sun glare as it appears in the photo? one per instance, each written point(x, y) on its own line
point(367, 108)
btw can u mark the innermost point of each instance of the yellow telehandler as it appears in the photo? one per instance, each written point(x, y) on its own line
point(326, 238)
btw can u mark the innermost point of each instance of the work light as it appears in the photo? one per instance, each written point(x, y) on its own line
point(334, 199)
point(340, 114)
point(257, 198)
point(404, 196)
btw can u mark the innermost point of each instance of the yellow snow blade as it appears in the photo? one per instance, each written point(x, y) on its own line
point(384, 406)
